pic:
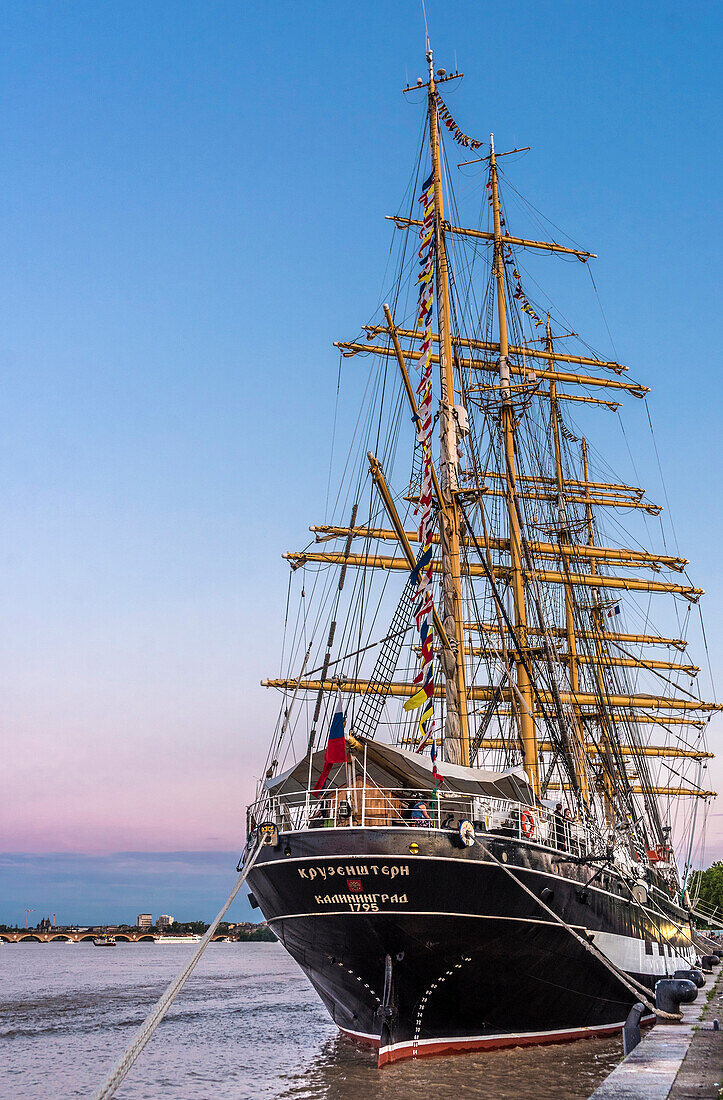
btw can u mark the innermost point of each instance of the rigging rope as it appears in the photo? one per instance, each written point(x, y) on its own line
point(635, 987)
point(154, 1017)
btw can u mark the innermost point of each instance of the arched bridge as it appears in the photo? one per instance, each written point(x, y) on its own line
point(55, 935)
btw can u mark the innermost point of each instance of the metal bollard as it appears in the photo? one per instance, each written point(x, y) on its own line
point(692, 976)
point(631, 1028)
point(706, 963)
point(671, 993)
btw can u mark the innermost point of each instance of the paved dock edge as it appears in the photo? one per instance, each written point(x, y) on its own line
point(650, 1071)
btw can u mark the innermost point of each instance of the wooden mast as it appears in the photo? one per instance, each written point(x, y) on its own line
point(597, 624)
point(570, 550)
point(565, 541)
point(528, 734)
point(456, 732)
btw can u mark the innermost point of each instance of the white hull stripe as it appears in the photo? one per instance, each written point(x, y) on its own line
point(500, 1036)
point(421, 913)
point(628, 953)
point(459, 862)
point(511, 1035)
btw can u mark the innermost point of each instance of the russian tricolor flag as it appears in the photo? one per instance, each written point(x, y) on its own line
point(335, 746)
point(437, 777)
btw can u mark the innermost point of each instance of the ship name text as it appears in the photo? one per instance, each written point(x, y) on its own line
point(361, 903)
point(352, 869)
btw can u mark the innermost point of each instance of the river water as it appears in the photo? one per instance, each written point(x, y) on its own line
point(246, 1025)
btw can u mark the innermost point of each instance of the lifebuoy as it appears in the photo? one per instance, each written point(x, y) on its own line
point(527, 822)
point(466, 833)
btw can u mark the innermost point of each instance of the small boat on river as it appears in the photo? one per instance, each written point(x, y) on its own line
point(191, 937)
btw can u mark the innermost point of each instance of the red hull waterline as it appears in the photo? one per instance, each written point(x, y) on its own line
point(429, 1048)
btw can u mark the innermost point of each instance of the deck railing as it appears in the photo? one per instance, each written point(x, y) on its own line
point(370, 806)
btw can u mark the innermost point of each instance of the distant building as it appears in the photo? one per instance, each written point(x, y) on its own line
point(145, 920)
point(165, 921)
point(45, 925)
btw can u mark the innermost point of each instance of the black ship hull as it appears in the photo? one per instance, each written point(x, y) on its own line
point(438, 950)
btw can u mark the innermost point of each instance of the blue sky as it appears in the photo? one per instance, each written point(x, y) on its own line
point(113, 888)
point(192, 202)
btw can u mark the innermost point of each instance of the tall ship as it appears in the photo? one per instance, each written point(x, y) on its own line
point(491, 741)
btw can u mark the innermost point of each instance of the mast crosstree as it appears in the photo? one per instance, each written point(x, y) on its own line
point(453, 665)
point(486, 681)
point(527, 593)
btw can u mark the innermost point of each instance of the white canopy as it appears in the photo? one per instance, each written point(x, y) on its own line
point(392, 767)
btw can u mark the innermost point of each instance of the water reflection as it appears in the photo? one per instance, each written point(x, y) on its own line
point(248, 1026)
point(569, 1071)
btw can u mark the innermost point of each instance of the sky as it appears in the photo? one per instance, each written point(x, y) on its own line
point(192, 202)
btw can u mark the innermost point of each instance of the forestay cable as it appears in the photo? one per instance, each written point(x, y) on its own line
point(153, 1019)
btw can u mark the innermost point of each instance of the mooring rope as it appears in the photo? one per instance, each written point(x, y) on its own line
point(153, 1019)
point(641, 991)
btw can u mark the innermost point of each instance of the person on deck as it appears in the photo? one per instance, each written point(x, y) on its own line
point(420, 815)
point(319, 818)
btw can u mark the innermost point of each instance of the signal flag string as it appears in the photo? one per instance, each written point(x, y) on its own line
point(422, 573)
point(447, 120)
